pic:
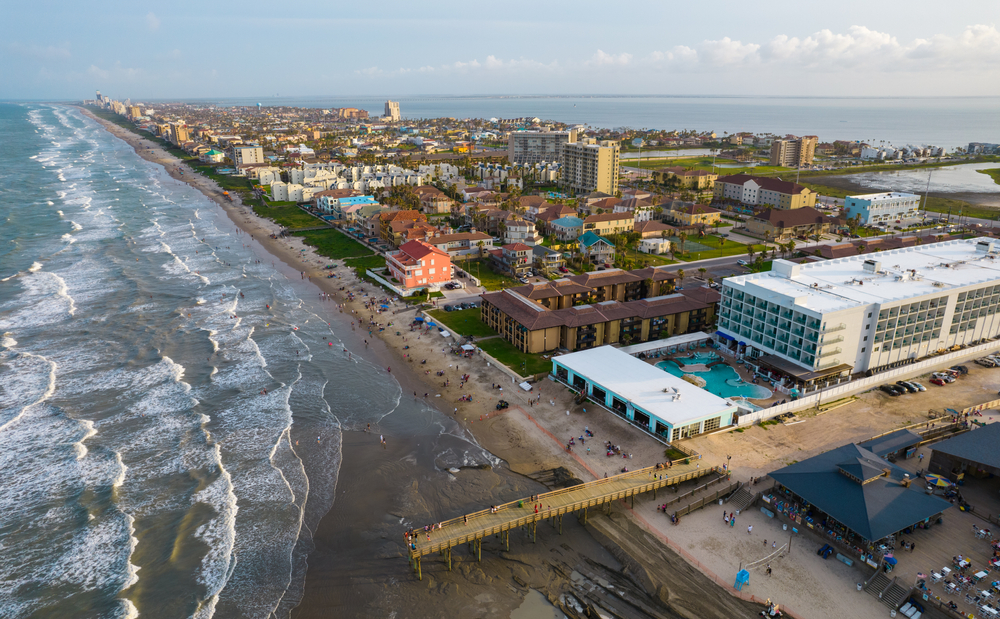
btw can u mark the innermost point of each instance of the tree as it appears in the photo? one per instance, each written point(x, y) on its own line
point(702, 271)
point(680, 275)
point(750, 251)
point(682, 236)
point(482, 248)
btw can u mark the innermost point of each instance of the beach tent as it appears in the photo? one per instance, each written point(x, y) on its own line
point(445, 334)
point(525, 385)
point(418, 319)
point(468, 347)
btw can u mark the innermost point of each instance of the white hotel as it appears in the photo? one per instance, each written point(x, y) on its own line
point(813, 325)
point(873, 208)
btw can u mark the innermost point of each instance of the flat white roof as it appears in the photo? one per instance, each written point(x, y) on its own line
point(885, 195)
point(645, 386)
point(909, 272)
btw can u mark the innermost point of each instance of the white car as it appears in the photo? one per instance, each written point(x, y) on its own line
point(918, 386)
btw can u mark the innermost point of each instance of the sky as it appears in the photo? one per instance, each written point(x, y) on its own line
point(185, 49)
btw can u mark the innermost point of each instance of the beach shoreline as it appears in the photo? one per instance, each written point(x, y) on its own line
point(515, 436)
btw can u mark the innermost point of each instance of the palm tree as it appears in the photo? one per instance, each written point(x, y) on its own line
point(683, 237)
point(750, 251)
point(680, 275)
point(482, 248)
point(702, 271)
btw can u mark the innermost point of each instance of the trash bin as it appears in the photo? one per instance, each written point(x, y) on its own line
point(720, 502)
point(784, 527)
point(860, 586)
point(520, 503)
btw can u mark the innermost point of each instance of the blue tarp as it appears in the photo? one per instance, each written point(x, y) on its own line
point(724, 336)
point(431, 324)
point(419, 319)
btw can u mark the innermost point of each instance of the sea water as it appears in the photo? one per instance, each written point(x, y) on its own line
point(145, 469)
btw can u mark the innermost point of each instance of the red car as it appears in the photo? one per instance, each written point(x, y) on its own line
point(938, 382)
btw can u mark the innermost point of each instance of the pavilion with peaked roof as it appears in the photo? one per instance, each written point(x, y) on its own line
point(858, 495)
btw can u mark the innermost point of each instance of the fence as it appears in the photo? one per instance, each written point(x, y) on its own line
point(374, 275)
point(864, 384)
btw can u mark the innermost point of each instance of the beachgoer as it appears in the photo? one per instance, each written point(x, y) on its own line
point(749, 529)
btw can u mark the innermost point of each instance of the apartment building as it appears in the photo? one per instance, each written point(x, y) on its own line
point(605, 307)
point(694, 215)
point(873, 208)
point(695, 180)
point(243, 155)
point(794, 153)
point(534, 147)
point(392, 111)
point(589, 165)
point(815, 324)
point(609, 223)
point(417, 264)
point(763, 191)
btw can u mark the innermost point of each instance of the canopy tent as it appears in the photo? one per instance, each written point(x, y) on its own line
point(469, 347)
point(937, 481)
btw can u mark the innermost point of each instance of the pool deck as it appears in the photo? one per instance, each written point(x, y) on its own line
point(741, 371)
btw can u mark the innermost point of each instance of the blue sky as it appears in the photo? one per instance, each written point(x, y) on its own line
point(185, 49)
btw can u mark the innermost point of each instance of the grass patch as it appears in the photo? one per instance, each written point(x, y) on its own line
point(730, 248)
point(373, 261)
point(507, 354)
point(464, 322)
point(490, 280)
point(672, 453)
point(332, 243)
point(994, 174)
point(290, 217)
point(638, 257)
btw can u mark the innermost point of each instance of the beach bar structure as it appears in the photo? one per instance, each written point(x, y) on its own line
point(974, 453)
point(522, 516)
point(649, 397)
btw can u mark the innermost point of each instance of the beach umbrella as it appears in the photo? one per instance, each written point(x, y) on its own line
point(937, 480)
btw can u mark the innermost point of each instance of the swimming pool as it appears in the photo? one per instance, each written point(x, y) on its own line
point(722, 380)
point(699, 357)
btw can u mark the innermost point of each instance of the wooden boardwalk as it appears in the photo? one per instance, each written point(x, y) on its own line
point(472, 528)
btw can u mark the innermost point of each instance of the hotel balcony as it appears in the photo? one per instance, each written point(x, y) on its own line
point(827, 353)
point(839, 327)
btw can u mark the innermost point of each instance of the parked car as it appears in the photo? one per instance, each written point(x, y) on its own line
point(939, 382)
point(888, 389)
point(986, 362)
point(918, 386)
point(742, 263)
point(563, 270)
point(948, 378)
point(449, 308)
point(905, 385)
point(961, 369)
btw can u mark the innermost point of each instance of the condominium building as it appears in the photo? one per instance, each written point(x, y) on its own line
point(590, 166)
point(794, 153)
point(887, 207)
point(243, 155)
point(179, 133)
point(763, 191)
point(417, 264)
point(603, 307)
point(392, 111)
point(815, 324)
point(533, 147)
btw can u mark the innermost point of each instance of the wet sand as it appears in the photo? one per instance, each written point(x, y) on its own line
point(357, 565)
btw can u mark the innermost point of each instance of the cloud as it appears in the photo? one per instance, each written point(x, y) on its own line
point(602, 59)
point(727, 52)
point(39, 52)
point(117, 73)
point(152, 22)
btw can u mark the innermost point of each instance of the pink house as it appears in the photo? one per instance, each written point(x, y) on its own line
point(417, 264)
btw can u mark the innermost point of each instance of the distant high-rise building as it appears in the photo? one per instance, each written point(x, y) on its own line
point(531, 147)
point(244, 155)
point(392, 111)
point(590, 166)
point(794, 153)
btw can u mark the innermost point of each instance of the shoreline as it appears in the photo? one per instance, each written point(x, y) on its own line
point(523, 445)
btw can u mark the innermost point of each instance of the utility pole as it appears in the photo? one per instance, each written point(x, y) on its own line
point(927, 190)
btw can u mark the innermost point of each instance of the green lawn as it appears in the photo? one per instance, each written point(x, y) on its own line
point(507, 354)
point(994, 174)
point(705, 163)
point(490, 280)
point(653, 259)
point(464, 322)
point(332, 243)
point(373, 261)
point(290, 217)
point(730, 248)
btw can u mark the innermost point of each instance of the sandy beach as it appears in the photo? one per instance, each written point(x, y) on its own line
point(366, 574)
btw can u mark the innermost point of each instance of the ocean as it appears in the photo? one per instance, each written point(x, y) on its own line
point(940, 121)
point(146, 471)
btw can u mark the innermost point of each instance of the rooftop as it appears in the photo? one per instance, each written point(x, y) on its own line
point(885, 195)
point(977, 446)
point(897, 274)
point(660, 393)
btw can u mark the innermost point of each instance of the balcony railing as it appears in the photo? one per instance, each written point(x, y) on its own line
point(828, 364)
point(827, 353)
point(839, 338)
point(839, 327)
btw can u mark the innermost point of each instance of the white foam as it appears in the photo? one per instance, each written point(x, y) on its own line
point(49, 390)
point(60, 212)
point(35, 266)
point(7, 341)
point(76, 227)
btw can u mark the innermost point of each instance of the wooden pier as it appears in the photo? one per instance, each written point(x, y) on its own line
point(473, 528)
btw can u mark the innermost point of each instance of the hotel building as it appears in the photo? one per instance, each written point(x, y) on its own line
point(816, 324)
point(873, 208)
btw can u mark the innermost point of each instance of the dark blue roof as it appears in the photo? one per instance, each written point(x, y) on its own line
point(869, 503)
point(979, 446)
point(892, 442)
